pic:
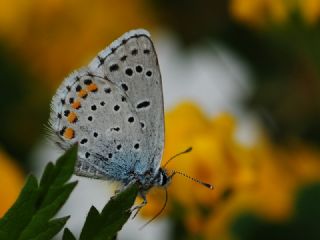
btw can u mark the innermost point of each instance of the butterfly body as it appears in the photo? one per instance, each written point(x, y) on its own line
point(113, 109)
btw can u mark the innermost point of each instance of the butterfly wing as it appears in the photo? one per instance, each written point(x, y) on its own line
point(131, 63)
point(94, 112)
point(114, 114)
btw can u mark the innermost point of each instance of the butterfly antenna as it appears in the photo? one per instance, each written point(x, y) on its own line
point(207, 185)
point(158, 214)
point(178, 154)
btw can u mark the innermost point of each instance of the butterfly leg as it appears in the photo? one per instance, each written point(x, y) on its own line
point(140, 206)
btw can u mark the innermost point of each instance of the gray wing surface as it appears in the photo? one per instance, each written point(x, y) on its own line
point(131, 63)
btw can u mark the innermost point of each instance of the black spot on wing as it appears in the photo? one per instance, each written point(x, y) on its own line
point(62, 130)
point(139, 69)
point(116, 107)
point(143, 104)
point(117, 129)
point(131, 119)
point(124, 87)
point(66, 113)
point(134, 52)
point(149, 73)
point(129, 71)
point(87, 81)
point(114, 67)
point(101, 60)
point(78, 88)
point(123, 58)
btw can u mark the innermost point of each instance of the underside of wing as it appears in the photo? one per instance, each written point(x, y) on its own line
point(131, 63)
point(94, 112)
point(114, 109)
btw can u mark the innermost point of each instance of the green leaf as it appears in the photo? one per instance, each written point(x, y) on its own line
point(53, 227)
point(18, 216)
point(105, 225)
point(58, 175)
point(31, 215)
point(67, 235)
point(39, 222)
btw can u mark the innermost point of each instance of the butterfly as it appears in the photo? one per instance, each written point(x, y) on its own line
point(113, 108)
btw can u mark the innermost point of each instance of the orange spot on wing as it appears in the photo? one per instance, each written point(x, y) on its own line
point(76, 105)
point(82, 93)
point(72, 117)
point(92, 87)
point(68, 133)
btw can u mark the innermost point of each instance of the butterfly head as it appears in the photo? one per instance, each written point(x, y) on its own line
point(162, 178)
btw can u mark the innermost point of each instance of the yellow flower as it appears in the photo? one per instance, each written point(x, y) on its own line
point(262, 178)
point(310, 10)
point(277, 174)
point(211, 160)
point(11, 181)
point(260, 12)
